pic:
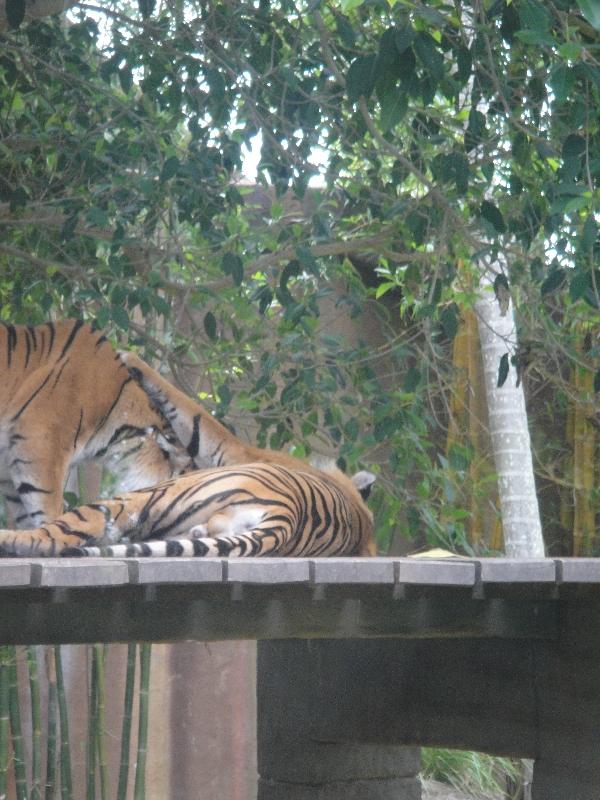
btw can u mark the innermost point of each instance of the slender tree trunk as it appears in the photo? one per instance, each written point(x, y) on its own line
point(508, 428)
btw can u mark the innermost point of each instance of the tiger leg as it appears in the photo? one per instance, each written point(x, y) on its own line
point(38, 461)
point(229, 533)
point(100, 523)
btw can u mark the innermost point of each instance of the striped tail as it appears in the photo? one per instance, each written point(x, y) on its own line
point(245, 544)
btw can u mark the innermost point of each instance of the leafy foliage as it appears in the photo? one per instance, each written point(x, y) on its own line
point(400, 143)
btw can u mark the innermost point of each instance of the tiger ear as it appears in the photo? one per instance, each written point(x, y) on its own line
point(363, 481)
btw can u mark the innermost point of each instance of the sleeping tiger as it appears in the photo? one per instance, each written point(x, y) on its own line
point(66, 398)
point(255, 509)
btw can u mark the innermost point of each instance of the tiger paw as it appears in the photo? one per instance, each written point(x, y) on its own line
point(73, 552)
point(198, 531)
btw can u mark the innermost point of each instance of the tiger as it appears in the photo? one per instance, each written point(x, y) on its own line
point(207, 442)
point(254, 509)
point(66, 398)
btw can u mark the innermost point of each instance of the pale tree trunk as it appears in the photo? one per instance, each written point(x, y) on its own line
point(509, 428)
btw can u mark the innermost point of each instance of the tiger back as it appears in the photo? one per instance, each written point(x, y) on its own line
point(256, 509)
point(66, 398)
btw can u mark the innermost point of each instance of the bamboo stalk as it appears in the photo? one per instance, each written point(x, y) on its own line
point(5, 655)
point(36, 725)
point(140, 768)
point(584, 445)
point(99, 654)
point(16, 730)
point(127, 717)
point(65, 755)
point(51, 738)
point(91, 734)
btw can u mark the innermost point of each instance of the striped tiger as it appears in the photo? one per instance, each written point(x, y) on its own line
point(207, 442)
point(67, 398)
point(256, 509)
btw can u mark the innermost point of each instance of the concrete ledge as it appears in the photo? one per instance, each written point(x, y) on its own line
point(175, 570)
point(436, 573)
point(352, 570)
point(510, 570)
point(60, 573)
point(498, 573)
point(15, 572)
point(267, 570)
point(578, 570)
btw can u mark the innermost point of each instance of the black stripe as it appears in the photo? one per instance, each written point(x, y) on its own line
point(60, 371)
point(78, 431)
point(33, 396)
point(31, 330)
point(28, 488)
point(194, 444)
point(52, 330)
point(27, 346)
point(12, 341)
point(174, 548)
point(23, 517)
point(78, 324)
point(105, 418)
point(200, 548)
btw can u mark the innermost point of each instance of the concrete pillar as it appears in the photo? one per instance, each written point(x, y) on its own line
point(568, 686)
point(294, 769)
point(293, 763)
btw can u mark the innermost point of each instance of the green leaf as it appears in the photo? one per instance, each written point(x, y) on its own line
point(536, 37)
point(411, 380)
point(570, 51)
point(394, 105)
point(534, 16)
point(146, 8)
point(291, 270)
point(18, 199)
point(589, 234)
point(573, 147)
point(384, 288)
point(170, 168)
point(553, 282)
point(591, 11)
point(224, 393)
point(232, 264)
point(492, 214)
point(307, 260)
point(476, 129)
point(562, 79)
point(15, 12)
point(426, 49)
point(597, 381)
point(120, 317)
point(404, 37)
point(126, 79)
point(350, 5)
point(210, 325)
point(464, 61)
point(503, 371)
point(449, 320)
point(578, 286)
point(360, 80)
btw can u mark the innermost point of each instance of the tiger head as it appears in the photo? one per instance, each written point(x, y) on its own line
point(147, 457)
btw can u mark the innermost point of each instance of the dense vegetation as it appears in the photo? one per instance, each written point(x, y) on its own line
point(400, 144)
